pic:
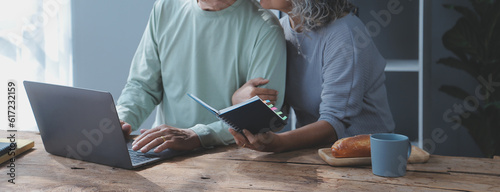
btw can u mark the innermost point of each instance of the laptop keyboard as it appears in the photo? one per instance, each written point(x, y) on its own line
point(138, 157)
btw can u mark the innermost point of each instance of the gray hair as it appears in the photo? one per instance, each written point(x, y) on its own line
point(317, 13)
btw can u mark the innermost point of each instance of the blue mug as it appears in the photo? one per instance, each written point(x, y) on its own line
point(389, 154)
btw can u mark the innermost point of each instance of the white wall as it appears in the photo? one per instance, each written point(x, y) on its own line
point(105, 37)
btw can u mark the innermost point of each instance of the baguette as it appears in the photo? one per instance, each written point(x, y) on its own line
point(356, 146)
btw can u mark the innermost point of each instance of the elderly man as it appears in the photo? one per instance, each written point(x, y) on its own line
point(209, 48)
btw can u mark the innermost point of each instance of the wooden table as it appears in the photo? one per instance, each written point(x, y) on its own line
point(229, 168)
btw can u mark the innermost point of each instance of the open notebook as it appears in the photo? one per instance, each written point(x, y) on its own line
point(254, 115)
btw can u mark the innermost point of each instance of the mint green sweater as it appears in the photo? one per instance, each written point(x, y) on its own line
point(209, 54)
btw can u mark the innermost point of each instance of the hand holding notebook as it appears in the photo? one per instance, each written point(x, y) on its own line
point(253, 115)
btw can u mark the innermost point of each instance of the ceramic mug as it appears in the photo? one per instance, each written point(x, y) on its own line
point(389, 154)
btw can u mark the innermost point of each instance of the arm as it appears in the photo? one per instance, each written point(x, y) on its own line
point(317, 133)
point(268, 67)
point(342, 98)
point(250, 89)
point(344, 82)
point(320, 132)
point(144, 87)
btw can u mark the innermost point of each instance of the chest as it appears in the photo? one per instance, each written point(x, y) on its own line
point(304, 76)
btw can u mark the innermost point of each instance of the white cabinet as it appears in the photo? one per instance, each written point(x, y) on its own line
point(398, 30)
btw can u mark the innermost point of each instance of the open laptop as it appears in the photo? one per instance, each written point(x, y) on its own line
point(83, 124)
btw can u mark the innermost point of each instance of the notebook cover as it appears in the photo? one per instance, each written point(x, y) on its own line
point(4, 148)
point(255, 116)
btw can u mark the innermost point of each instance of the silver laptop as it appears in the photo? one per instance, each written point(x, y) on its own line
point(83, 124)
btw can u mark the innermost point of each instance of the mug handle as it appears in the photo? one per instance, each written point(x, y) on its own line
point(409, 149)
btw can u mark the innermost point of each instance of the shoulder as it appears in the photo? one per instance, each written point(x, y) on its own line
point(346, 32)
point(343, 28)
point(347, 39)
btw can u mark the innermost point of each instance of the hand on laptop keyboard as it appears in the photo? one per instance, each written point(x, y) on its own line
point(166, 137)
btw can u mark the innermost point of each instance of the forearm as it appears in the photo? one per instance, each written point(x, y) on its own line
point(136, 103)
point(213, 134)
point(320, 132)
point(144, 88)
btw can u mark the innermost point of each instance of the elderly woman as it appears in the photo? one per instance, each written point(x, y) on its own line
point(335, 78)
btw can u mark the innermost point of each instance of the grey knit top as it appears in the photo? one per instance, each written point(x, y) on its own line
point(336, 74)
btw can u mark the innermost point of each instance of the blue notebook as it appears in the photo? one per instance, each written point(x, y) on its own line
point(4, 148)
point(254, 115)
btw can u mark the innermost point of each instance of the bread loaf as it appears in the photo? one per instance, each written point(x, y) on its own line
point(356, 146)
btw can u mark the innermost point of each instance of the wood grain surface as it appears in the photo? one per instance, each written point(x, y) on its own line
point(230, 168)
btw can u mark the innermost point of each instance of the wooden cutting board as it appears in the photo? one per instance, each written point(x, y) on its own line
point(417, 156)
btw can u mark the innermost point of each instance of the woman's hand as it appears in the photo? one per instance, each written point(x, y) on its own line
point(266, 142)
point(166, 137)
point(317, 133)
point(250, 89)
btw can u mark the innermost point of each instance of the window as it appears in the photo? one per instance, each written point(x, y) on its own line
point(35, 44)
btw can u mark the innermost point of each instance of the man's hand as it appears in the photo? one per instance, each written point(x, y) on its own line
point(126, 128)
point(166, 137)
point(250, 89)
point(266, 142)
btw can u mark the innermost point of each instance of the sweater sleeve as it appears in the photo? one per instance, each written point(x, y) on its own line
point(269, 61)
point(144, 88)
point(343, 81)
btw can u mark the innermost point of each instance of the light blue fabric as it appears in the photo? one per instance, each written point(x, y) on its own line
point(336, 74)
point(208, 54)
